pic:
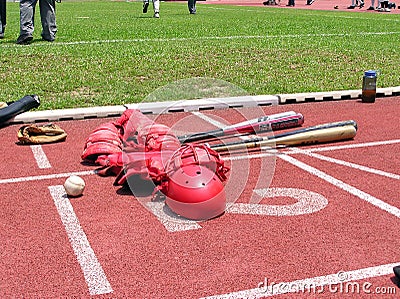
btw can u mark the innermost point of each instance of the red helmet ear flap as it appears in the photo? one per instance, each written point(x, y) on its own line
point(193, 185)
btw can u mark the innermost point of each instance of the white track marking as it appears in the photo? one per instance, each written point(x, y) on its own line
point(92, 271)
point(250, 156)
point(342, 185)
point(213, 122)
point(315, 283)
point(196, 39)
point(40, 156)
point(171, 222)
point(209, 119)
point(267, 152)
point(46, 177)
point(356, 145)
point(270, 151)
point(307, 202)
point(348, 164)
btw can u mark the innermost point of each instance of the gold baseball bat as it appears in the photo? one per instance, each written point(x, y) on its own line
point(330, 132)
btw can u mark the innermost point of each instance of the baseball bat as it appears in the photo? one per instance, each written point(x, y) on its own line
point(274, 122)
point(324, 133)
point(22, 105)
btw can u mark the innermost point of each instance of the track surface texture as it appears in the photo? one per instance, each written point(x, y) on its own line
point(320, 216)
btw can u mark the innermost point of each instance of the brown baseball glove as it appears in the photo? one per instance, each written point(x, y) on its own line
point(33, 134)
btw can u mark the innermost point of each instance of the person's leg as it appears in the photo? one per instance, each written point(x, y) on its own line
point(353, 4)
point(372, 7)
point(192, 6)
point(3, 15)
point(145, 5)
point(386, 6)
point(156, 7)
point(26, 15)
point(48, 18)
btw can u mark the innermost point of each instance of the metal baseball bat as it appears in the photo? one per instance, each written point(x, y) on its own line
point(324, 133)
point(278, 121)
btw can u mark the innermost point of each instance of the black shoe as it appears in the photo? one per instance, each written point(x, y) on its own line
point(145, 7)
point(24, 39)
point(48, 39)
point(351, 7)
point(371, 8)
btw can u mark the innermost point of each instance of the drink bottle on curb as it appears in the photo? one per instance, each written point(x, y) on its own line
point(369, 87)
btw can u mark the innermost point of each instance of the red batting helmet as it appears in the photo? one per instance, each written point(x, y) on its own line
point(193, 185)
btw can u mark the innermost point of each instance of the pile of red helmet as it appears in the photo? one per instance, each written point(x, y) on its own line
point(139, 151)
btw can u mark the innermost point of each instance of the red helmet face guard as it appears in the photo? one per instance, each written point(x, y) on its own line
point(200, 155)
point(193, 186)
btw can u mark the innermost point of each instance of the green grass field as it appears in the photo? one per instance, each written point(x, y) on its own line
point(109, 53)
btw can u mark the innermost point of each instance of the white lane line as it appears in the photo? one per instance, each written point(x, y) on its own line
point(92, 271)
point(316, 284)
point(209, 120)
point(46, 177)
point(216, 123)
point(342, 185)
point(348, 164)
point(356, 145)
point(171, 222)
point(270, 151)
point(40, 156)
point(203, 38)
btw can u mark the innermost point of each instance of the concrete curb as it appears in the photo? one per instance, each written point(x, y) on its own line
point(335, 95)
point(193, 105)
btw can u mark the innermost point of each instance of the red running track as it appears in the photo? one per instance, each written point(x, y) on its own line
point(334, 5)
point(326, 216)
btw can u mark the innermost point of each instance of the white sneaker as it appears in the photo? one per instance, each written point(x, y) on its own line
point(157, 15)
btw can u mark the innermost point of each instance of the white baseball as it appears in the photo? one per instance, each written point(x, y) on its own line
point(74, 185)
